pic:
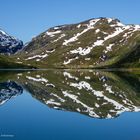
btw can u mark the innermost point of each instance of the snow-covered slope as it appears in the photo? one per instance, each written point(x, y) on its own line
point(9, 44)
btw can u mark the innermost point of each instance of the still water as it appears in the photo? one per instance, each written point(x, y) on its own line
point(69, 105)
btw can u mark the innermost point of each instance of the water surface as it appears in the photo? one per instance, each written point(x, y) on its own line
point(69, 104)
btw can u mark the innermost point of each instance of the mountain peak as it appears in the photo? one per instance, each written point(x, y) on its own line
point(9, 44)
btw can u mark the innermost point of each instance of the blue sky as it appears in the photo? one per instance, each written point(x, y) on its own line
point(27, 18)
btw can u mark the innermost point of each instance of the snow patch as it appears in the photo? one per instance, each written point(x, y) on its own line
point(87, 77)
point(52, 34)
point(62, 100)
point(37, 79)
point(60, 37)
point(81, 51)
point(66, 74)
point(87, 59)
point(97, 30)
point(69, 60)
point(51, 101)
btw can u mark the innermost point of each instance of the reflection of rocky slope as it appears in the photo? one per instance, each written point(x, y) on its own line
point(93, 93)
point(9, 90)
point(96, 94)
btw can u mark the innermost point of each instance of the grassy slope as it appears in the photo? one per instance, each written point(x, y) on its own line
point(7, 62)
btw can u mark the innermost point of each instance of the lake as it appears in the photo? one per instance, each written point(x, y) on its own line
point(69, 105)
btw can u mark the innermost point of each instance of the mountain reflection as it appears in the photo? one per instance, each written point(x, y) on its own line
point(97, 94)
point(8, 90)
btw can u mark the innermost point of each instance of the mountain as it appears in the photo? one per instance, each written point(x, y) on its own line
point(95, 43)
point(9, 44)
